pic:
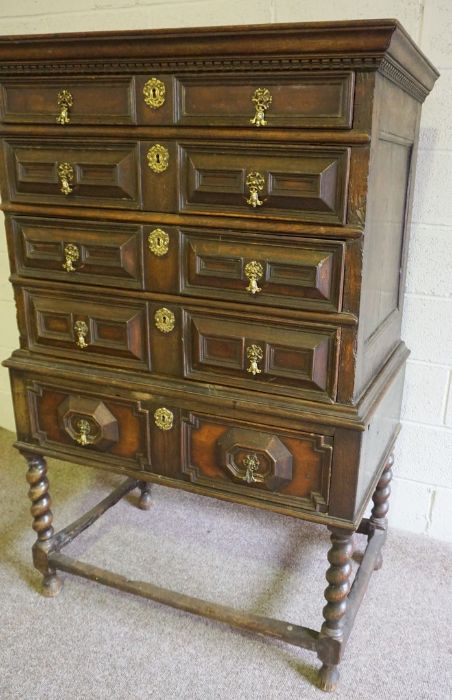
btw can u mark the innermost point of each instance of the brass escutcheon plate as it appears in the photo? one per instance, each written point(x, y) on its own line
point(158, 158)
point(164, 320)
point(154, 93)
point(158, 242)
point(163, 418)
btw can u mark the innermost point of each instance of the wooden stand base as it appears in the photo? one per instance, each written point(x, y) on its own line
point(340, 611)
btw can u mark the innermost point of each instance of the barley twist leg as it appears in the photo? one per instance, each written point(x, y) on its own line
point(381, 502)
point(42, 521)
point(338, 577)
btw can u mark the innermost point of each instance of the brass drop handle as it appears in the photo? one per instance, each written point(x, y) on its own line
point(254, 354)
point(262, 100)
point(255, 183)
point(254, 271)
point(66, 177)
point(84, 428)
point(251, 463)
point(65, 101)
point(71, 255)
point(81, 331)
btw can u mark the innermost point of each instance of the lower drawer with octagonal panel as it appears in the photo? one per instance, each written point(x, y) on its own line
point(282, 467)
point(90, 424)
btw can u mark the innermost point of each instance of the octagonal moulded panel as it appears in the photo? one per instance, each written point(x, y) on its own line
point(255, 458)
point(88, 422)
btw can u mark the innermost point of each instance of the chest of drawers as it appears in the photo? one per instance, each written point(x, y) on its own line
point(207, 232)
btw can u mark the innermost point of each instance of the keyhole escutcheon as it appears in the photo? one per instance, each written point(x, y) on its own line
point(164, 320)
point(158, 158)
point(158, 242)
point(154, 91)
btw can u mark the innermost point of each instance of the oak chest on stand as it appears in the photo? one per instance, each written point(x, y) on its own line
point(207, 232)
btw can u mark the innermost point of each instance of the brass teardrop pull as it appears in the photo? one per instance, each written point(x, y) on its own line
point(84, 429)
point(71, 254)
point(255, 183)
point(81, 331)
point(254, 354)
point(251, 464)
point(65, 101)
point(66, 177)
point(262, 100)
point(254, 271)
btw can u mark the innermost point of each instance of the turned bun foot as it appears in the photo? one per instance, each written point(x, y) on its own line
point(328, 678)
point(51, 585)
point(145, 501)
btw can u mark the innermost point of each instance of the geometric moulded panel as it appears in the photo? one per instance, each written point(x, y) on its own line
point(88, 422)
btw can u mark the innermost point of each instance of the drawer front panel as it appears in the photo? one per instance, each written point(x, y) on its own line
point(100, 331)
point(83, 252)
point(66, 101)
point(305, 101)
point(304, 275)
point(90, 424)
point(261, 355)
point(284, 468)
point(291, 182)
point(68, 173)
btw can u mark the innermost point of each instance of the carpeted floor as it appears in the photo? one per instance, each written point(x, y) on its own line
point(93, 642)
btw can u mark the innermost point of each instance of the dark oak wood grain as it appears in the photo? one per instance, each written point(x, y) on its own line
point(207, 232)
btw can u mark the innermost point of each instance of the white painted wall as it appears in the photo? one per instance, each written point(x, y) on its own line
point(422, 494)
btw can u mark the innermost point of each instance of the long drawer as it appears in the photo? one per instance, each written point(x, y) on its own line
point(260, 100)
